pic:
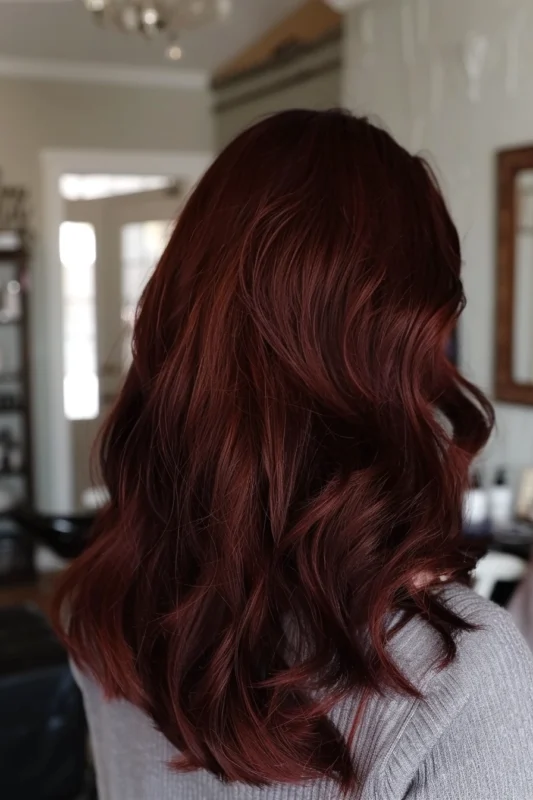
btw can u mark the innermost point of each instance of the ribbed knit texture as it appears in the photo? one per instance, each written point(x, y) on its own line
point(470, 738)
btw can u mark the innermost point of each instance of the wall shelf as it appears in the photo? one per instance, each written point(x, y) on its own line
point(11, 256)
point(13, 473)
point(16, 485)
point(16, 434)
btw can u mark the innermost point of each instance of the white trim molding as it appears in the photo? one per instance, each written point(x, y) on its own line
point(345, 5)
point(97, 72)
point(183, 163)
point(53, 456)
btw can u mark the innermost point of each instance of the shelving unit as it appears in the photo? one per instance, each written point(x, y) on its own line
point(16, 548)
point(15, 382)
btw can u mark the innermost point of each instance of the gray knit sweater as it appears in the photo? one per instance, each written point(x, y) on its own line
point(470, 738)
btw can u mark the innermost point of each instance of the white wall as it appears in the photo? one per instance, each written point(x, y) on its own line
point(42, 115)
point(405, 62)
point(37, 115)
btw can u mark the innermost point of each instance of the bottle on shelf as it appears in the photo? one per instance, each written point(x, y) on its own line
point(11, 301)
point(15, 457)
point(500, 502)
point(475, 506)
point(4, 317)
point(6, 437)
point(11, 453)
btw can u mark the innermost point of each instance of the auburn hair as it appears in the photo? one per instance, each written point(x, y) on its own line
point(287, 456)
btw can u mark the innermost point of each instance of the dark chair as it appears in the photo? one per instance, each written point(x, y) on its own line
point(42, 725)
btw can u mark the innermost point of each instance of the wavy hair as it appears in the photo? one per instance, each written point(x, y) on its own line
point(287, 455)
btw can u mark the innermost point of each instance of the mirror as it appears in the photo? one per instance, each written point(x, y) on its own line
point(523, 283)
point(514, 323)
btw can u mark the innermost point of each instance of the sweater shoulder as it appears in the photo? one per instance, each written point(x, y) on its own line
point(479, 700)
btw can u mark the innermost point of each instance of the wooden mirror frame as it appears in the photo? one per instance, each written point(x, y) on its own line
point(509, 164)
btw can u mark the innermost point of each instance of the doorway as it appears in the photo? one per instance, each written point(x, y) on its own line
point(58, 440)
point(110, 244)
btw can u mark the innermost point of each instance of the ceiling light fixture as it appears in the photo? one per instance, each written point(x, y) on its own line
point(174, 51)
point(154, 18)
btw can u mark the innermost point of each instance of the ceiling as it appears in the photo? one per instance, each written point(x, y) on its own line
point(62, 30)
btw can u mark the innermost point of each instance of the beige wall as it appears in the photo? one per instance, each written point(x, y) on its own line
point(36, 115)
point(409, 70)
point(309, 80)
point(40, 115)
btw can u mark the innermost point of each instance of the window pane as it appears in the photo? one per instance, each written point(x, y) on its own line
point(80, 357)
point(81, 395)
point(142, 244)
point(79, 321)
point(77, 247)
point(78, 282)
point(131, 241)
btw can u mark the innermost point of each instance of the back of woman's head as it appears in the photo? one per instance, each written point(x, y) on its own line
point(288, 454)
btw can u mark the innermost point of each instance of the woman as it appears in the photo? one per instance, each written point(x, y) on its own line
point(275, 603)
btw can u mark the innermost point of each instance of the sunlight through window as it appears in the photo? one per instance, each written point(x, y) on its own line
point(77, 247)
point(142, 245)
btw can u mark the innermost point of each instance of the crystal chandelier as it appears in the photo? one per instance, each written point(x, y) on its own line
point(158, 18)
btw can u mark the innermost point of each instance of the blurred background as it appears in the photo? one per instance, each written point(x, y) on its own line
point(110, 112)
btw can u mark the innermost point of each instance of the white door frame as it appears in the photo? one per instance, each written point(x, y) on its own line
point(53, 450)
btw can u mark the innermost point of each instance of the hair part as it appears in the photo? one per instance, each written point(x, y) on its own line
point(287, 455)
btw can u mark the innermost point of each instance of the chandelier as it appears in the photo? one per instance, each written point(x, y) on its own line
point(158, 18)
